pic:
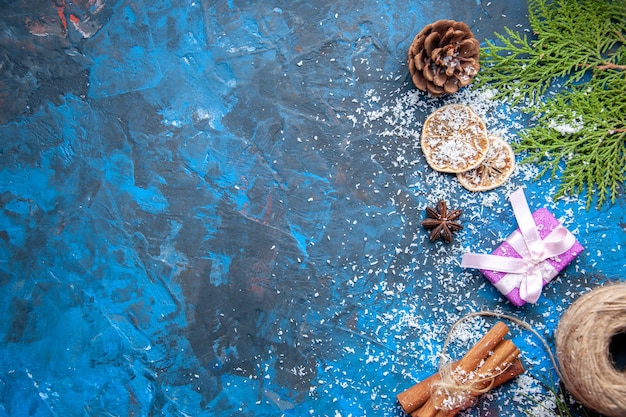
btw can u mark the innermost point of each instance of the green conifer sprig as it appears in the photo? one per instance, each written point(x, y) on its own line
point(579, 47)
point(586, 132)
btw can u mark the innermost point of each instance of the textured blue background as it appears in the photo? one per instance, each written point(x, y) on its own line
point(212, 208)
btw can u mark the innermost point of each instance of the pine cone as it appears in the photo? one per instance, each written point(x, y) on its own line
point(444, 57)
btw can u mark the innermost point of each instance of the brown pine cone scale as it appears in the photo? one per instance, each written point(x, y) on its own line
point(444, 57)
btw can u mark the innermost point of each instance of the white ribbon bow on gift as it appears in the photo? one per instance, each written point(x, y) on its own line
point(528, 272)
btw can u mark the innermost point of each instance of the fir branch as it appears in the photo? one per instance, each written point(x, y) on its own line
point(585, 132)
point(580, 128)
point(570, 37)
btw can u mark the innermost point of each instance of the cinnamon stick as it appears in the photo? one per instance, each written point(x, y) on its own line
point(503, 356)
point(416, 396)
point(484, 376)
point(480, 350)
point(514, 369)
point(413, 398)
point(427, 410)
point(446, 413)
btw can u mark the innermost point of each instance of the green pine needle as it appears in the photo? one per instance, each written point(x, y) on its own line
point(579, 127)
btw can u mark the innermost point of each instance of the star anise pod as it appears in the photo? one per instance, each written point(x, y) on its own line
point(442, 222)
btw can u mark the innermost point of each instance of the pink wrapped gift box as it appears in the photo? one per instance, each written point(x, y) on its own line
point(546, 223)
point(530, 257)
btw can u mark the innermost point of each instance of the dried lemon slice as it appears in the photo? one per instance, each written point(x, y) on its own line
point(454, 139)
point(495, 169)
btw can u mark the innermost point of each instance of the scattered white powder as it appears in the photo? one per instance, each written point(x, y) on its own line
point(413, 284)
point(568, 127)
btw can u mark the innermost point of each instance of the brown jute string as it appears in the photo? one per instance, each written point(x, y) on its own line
point(460, 393)
point(463, 393)
point(583, 337)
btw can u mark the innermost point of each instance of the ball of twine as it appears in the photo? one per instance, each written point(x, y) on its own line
point(583, 343)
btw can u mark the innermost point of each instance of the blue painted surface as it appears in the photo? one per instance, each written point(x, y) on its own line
point(212, 208)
